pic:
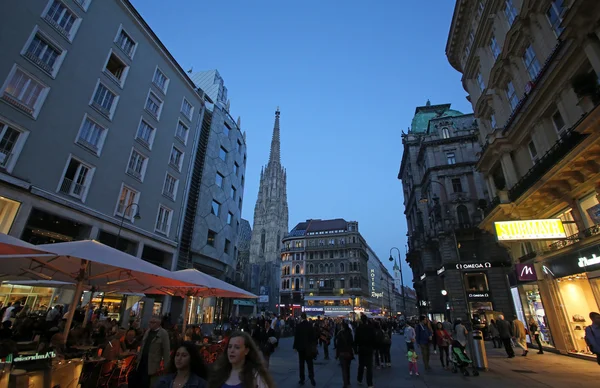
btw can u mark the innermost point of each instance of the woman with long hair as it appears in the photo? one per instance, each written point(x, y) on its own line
point(241, 366)
point(186, 369)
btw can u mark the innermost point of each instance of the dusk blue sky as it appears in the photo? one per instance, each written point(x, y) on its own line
point(347, 76)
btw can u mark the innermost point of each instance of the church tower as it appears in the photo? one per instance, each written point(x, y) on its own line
point(271, 210)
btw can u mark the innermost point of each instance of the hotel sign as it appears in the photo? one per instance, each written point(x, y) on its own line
point(549, 229)
point(374, 293)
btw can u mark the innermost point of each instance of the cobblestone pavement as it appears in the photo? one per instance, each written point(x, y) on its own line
point(547, 370)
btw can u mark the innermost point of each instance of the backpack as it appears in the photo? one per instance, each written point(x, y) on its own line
point(386, 339)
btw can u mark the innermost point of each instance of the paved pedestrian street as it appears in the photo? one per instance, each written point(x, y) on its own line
point(547, 370)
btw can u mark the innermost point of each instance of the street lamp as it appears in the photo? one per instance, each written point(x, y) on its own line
point(136, 216)
point(444, 292)
point(401, 279)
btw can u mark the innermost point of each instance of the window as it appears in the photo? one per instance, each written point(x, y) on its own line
point(11, 142)
point(242, 180)
point(125, 204)
point(457, 185)
point(187, 109)
point(76, 179)
point(493, 121)
point(239, 146)
point(84, 4)
point(63, 19)
point(476, 282)
point(469, 43)
point(176, 158)
point(211, 237)
point(494, 47)
point(233, 190)
point(555, 15)
point(511, 95)
point(510, 12)
point(223, 154)
point(215, 208)
point(116, 69)
point(104, 100)
point(240, 203)
point(163, 220)
point(532, 151)
point(226, 129)
point(43, 52)
point(124, 41)
point(91, 135)
point(145, 134)
point(170, 186)
point(451, 157)
point(480, 82)
point(558, 122)
point(137, 165)
point(182, 132)
point(227, 246)
point(219, 180)
point(531, 63)
point(154, 105)
point(445, 133)
point(229, 218)
point(160, 80)
point(24, 92)
point(236, 168)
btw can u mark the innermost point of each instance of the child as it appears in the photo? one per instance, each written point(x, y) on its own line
point(412, 362)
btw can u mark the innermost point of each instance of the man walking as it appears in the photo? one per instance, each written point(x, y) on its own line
point(155, 348)
point(305, 343)
point(423, 337)
point(364, 341)
point(592, 335)
point(505, 332)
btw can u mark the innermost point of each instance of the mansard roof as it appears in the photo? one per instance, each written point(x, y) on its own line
point(319, 225)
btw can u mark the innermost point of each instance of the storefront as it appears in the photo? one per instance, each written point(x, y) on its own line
point(39, 299)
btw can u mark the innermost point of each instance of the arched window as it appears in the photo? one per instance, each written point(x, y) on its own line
point(297, 269)
point(263, 237)
point(445, 133)
point(321, 268)
point(297, 284)
point(463, 216)
point(341, 267)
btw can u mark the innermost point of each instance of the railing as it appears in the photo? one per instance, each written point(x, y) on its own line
point(72, 188)
point(134, 173)
point(51, 21)
point(559, 150)
point(5, 156)
point(101, 109)
point(87, 144)
point(35, 59)
point(17, 103)
point(292, 249)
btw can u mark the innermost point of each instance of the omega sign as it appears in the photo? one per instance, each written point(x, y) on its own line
point(468, 266)
point(479, 295)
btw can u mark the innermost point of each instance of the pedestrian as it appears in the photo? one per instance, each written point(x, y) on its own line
point(240, 366)
point(387, 345)
point(460, 332)
point(423, 338)
point(444, 339)
point(377, 349)
point(364, 341)
point(325, 337)
point(344, 353)
point(535, 332)
point(592, 335)
point(494, 334)
point(185, 369)
point(505, 332)
point(155, 349)
point(409, 336)
point(305, 344)
point(413, 367)
point(520, 335)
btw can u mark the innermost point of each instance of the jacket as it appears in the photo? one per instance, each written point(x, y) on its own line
point(193, 382)
point(505, 330)
point(423, 334)
point(592, 338)
point(160, 349)
point(305, 337)
point(519, 329)
point(494, 330)
point(343, 344)
point(409, 334)
point(364, 339)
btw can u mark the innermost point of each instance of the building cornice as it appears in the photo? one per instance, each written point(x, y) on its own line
point(455, 31)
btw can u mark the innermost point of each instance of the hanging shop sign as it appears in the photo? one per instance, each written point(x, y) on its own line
point(549, 229)
point(338, 308)
point(478, 295)
point(35, 357)
point(526, 272)
point(441, 271)
point(473, 266)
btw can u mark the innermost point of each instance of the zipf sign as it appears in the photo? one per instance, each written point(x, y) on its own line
point(550, 229)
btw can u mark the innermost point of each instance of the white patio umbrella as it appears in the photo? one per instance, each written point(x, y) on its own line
point(41, 283)
point(13, 247)
point(89, 263)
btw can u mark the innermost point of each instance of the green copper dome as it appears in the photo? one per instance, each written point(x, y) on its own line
point(423, 114)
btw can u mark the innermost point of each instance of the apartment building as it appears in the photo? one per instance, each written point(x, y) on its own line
point(531, 71)
point(98, 125)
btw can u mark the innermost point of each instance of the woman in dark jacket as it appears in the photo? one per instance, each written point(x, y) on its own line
point(186, 369)
point(344, 352)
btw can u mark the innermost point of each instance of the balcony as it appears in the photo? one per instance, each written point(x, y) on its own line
point(292, 249)
point(17, 103)
point(559, 150)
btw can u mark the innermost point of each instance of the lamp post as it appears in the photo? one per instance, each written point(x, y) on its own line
point(454, 241)
point(401, 279)
point(136, 216)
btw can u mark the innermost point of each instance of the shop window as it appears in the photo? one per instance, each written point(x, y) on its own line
point(8, 211)
point(534, 311)
point(590, 209)
point(476, 282)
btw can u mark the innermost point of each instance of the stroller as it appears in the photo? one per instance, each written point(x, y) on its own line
point(460, 360)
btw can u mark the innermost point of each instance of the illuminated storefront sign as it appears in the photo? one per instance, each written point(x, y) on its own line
point(526, 272)
point(478, 295)
point(468, 266)
point(35, 357)
point(308, 309)
point(550, 229)
point(585, 262)
point(441, 271)
point(373, 291)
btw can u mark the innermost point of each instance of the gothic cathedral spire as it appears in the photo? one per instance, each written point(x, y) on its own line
point(275, 154)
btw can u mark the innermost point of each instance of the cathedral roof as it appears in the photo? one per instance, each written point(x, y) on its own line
point(423, 114)
point(321, 225)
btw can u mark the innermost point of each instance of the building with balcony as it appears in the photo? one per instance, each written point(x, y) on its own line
point(531, 71)
point(443, 196)
point(324, 268)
